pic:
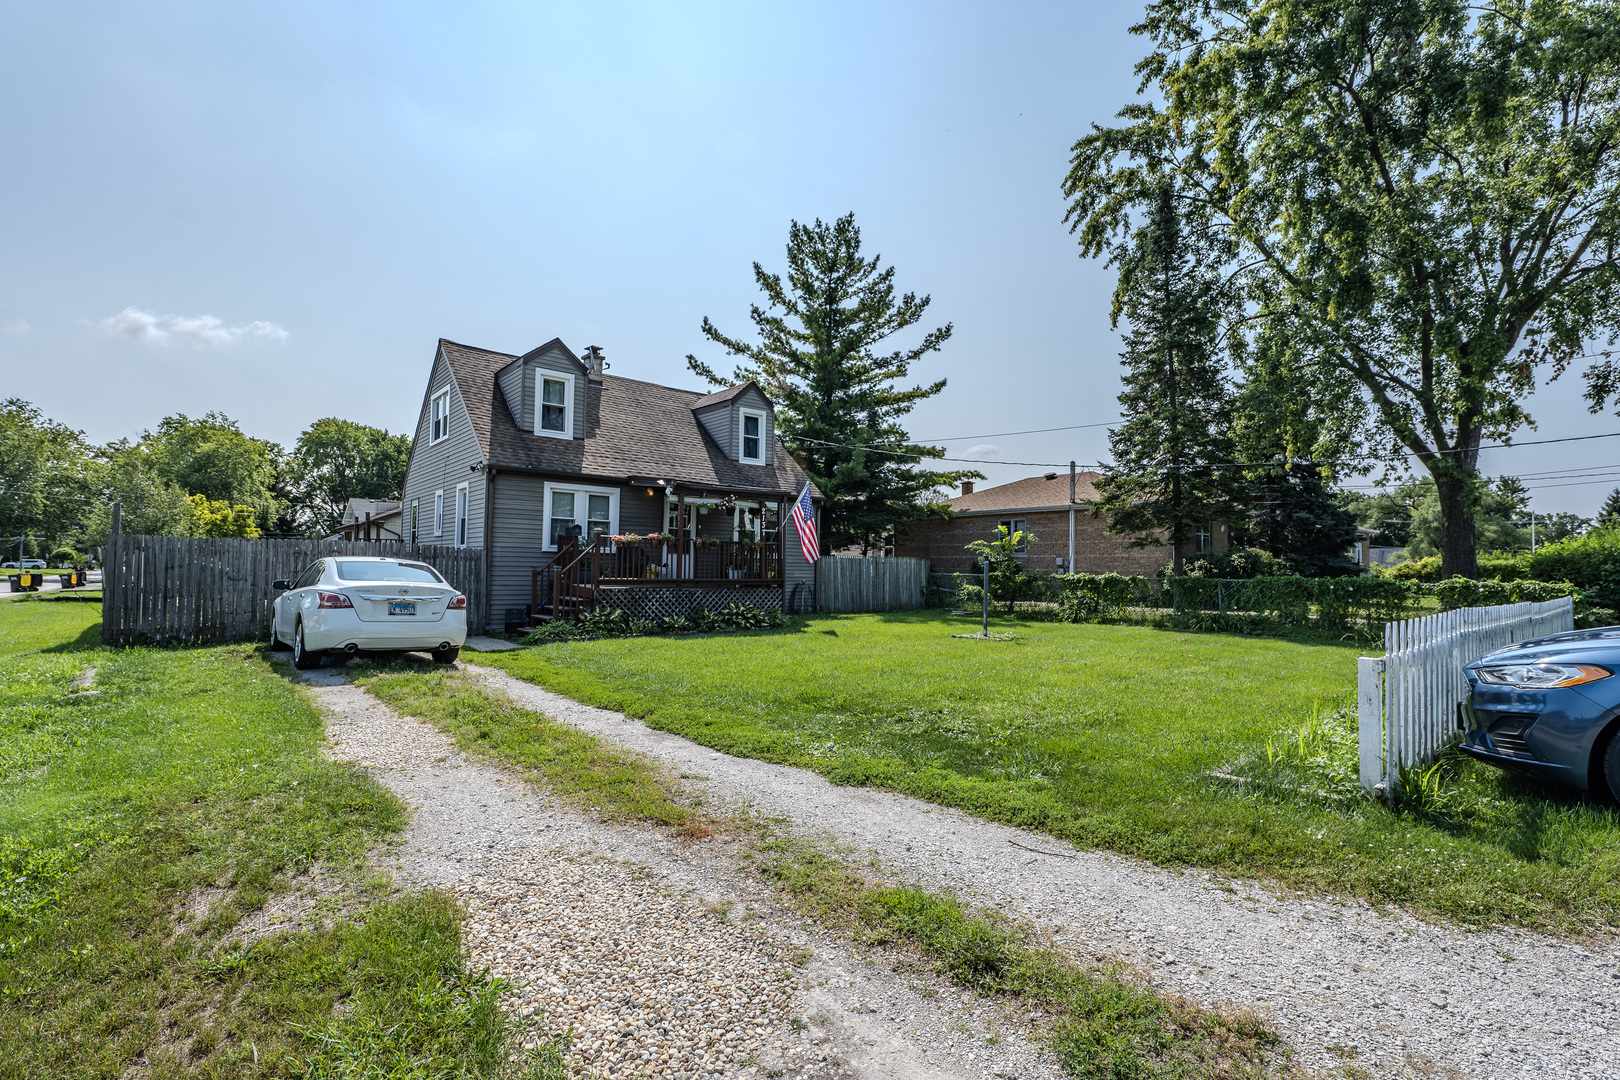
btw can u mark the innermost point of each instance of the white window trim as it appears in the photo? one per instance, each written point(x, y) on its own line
point(568, 404)
point(438, 512)
point(444, 428)
point(1012, 527)
point(463, 520)
point(764, 431)
point(578, 489)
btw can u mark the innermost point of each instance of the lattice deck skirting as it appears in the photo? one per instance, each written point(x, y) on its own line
point(660, 604)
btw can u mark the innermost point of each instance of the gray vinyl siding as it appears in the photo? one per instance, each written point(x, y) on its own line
point(716, 420)
point(723, 422)
point(511, 383)
point(445, 464)
point(795, 570)
point(519, 519)
point(553, 362)
point(753, 399)
point(640, 512)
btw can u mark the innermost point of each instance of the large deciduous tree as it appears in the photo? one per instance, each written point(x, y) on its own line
point(210, 456)
point(1171, 471)
point(823, 358)
point(338, 460)
point(1425, 189)
point(46, 476)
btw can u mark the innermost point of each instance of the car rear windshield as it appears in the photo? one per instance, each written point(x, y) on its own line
point(386, 571)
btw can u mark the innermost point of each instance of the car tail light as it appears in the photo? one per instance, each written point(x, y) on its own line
point(335, 599)
point(457, 603)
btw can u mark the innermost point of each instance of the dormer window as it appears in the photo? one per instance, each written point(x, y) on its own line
point(554, 406)
point(752, 451)
point(441, 416)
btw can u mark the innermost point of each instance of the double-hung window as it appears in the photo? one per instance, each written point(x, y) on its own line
point(1014, 526)
point(415, 522)
point(461, 515)
point(441, 416)
point(554, 405)
point(752, 436)
point(582, 512)
point(1201, 540)
point(438, 512)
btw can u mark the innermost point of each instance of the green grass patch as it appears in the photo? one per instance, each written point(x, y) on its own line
point(1103, 735)
point(613, 783)
point(191, 770)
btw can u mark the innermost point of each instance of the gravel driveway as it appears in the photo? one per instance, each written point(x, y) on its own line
point(1346, 984)
point(661, 957)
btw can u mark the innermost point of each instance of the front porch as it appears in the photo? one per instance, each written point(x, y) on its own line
point(720, 549)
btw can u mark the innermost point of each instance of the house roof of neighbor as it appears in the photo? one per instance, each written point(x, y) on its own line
point(1048, 492)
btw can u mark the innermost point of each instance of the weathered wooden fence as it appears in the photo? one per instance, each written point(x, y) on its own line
point(193, 589)
point(1408, 697)
point(882, 584)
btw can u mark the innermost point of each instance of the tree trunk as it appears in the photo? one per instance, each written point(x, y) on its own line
point(1458, 557)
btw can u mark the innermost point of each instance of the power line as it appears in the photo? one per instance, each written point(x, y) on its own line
point(1202, 465)
point(1031, 431)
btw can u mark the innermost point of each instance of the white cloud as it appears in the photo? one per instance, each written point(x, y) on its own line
point(983, 450)
point(15, 327)
point(202, 331)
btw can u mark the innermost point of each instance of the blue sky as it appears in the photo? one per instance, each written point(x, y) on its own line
point(275, 210)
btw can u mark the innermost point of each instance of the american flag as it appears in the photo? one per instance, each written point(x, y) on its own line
point(804, 518)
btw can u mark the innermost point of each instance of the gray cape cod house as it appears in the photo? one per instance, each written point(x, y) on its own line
point(586, 489)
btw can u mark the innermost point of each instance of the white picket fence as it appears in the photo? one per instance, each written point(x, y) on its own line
point(1408, 697)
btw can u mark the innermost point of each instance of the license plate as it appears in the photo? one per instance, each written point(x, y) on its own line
point(401, 607)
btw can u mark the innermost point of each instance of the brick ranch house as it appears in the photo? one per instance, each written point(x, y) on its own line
point(1041, 505)
point(550, 465)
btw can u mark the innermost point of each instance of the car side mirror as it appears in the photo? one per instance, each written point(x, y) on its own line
point(281, 584)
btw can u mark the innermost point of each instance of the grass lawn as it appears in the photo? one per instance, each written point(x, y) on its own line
point(1102, 735)
point(193, 769)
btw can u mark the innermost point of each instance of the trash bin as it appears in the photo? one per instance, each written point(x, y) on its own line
point(29, 580)
point(516, 621)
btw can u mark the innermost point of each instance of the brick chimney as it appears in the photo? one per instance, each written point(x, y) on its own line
point(967, 487)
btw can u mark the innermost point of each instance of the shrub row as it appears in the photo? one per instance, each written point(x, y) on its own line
point(612, 622)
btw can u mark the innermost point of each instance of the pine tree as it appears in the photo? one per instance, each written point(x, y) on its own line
point(1609, 513)
point(1177, 404)
point(835, 393)
point(1277, 424)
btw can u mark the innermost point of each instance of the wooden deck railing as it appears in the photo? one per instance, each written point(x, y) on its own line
point(578, 570)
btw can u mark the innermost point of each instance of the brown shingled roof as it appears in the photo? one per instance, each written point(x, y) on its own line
point(1050, 492)
point(632, 429)
point(727, 394)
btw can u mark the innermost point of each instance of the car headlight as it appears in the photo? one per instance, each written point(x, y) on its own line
point(1543, 676)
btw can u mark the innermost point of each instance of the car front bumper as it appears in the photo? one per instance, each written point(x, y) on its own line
point(1547, 734)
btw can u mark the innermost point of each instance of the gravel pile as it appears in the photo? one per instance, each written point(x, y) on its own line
point(644, 980)
point(1347, 985)
point(662, 957)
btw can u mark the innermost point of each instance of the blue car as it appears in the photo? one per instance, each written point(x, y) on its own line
point(1550, 708)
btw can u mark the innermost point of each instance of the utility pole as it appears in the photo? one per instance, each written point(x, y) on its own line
point(1069, 566)
point(1532, 532)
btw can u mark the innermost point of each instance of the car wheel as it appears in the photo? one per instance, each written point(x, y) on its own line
point(1609, 765)
point(303, 659)
point(446, 656)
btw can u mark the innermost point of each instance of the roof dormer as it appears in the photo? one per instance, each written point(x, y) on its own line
point(546, 390)
point(742, 421)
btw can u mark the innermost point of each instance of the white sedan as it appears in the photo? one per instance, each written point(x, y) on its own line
point(347, 603)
